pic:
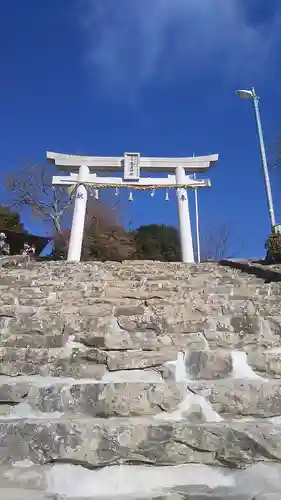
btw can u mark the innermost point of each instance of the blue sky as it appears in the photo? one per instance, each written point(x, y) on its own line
point(102, 77)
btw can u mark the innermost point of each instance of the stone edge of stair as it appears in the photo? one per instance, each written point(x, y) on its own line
point(13, 259)
point(262, 270)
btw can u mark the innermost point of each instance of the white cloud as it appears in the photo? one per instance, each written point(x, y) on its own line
point(135, 41)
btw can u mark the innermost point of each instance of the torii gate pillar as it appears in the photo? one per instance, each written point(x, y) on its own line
point(79, 214)
point(187, 254)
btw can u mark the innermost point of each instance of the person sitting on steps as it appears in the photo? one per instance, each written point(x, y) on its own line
point(28, 250)
point(4, 247)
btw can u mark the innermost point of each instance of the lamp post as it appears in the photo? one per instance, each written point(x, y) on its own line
point(251, 94)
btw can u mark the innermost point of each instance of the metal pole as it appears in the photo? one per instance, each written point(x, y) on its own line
point(263, 157)
point(197, 224)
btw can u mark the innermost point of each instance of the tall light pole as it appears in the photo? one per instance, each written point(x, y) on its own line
point(251, 94)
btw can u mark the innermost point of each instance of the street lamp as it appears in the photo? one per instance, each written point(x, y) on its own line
point(251, 94)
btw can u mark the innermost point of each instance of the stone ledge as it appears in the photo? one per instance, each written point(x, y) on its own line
point(14, 259)
point(187, 482)
point(103, 442)
point(196, 401)
point(106, 400)
point(263, 271)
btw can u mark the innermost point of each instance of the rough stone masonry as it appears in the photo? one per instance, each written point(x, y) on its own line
point(140, 380)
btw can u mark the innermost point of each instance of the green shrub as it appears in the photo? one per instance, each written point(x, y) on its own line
point(273, 246)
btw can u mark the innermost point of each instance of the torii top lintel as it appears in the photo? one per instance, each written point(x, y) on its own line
point(71, 163)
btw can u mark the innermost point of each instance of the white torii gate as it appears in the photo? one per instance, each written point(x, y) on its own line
point(80, 168)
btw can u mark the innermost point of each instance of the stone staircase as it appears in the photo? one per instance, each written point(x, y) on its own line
point(139, 380)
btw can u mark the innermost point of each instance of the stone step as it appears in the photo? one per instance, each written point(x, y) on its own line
point(181, 274)
point(31, 324)
point(102, 317)
point(76, 358)
point(243, 332)
point(179, 493)
point(266, 363)
point(158, 325)
point(171, 276)
point(195, 363)
point(212, 286)
point(203, 400)
point(100, 442)
point(245, 320)
point(184, 482)
point(95, 399)
point(135, 289)
point(117, 286)
point(176, 276)
point(48, 292)
point(239, 398)
point(34, 340)
point(122, 271)
point(205, 306)
point(96, 307)
point(224, 363)
point(33, 347)
point(96, 326)
point(25, 494)
point(146, 340)
point(57, 362)
point(139, 289)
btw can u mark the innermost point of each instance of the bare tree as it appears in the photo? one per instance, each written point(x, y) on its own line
point(218, 244)
point(104, 236)
point(32, 187)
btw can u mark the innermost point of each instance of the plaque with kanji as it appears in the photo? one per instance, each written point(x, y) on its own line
point(131, 166)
